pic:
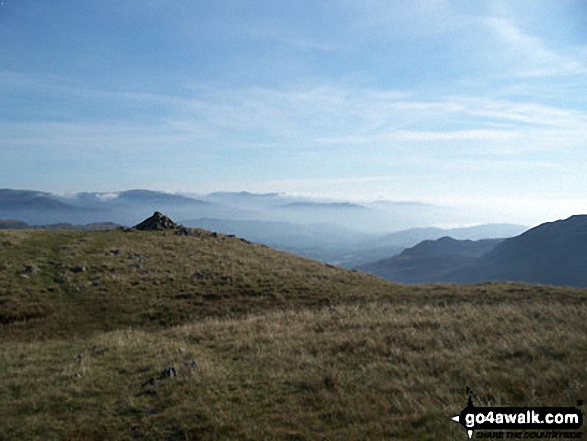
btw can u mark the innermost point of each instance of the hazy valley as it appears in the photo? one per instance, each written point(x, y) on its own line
point(344, 234)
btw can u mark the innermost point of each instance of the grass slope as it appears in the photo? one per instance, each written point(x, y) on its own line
point(284, 348)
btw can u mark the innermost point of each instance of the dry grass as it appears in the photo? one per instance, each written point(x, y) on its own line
point(383, 362)
point(153, 279)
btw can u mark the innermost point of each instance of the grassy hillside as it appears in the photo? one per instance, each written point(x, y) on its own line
point(263, 345)
point(68, 283)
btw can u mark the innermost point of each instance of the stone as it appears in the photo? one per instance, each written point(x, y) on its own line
point(169, 372)
point(157, 222)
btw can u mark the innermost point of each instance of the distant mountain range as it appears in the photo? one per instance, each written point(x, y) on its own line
point(342, 233)
point(553, 253)
point(413, 236)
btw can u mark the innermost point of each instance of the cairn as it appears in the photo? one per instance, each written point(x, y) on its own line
point(157, 222)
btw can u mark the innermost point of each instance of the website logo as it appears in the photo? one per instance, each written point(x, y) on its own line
point(547, 419)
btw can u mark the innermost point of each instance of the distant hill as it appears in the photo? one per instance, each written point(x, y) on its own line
point(17, 200)
point(13, 225)
point(18, 225)
point(87, 227)
point(125, 207)
point(324, 206)
point(430, 260)
point(243, 195)
point(36, 207)
point(413, 236)
point(157, 197)
point(554, 253)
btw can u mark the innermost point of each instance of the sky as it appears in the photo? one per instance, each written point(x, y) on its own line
point(478, 105)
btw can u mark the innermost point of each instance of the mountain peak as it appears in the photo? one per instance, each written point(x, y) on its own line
point(157, 222)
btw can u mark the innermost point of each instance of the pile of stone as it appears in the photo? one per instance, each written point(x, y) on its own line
point(157, 222)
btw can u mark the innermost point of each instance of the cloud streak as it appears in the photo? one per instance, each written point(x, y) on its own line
point(311, 116)
point(530, 55)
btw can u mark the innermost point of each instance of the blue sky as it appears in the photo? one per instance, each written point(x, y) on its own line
point(480, 105)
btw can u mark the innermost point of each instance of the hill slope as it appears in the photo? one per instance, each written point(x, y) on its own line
point(159, 335)
point(430, 260)
point(553, 253)
point(77, 282)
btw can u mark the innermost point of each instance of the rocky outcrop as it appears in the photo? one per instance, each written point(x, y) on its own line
point(157, 222)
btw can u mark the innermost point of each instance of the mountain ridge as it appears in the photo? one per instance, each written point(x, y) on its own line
point(429, 260)
point(552, 253)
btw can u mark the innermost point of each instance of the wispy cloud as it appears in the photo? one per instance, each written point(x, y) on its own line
point(305, 116)
point(529, 54)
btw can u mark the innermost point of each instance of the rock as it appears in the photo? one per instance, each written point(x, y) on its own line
point(169, 372)
point(183, 231)
point(157, 222)
point(30, 269)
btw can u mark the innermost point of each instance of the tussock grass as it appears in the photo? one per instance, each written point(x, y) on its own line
point(286, 349)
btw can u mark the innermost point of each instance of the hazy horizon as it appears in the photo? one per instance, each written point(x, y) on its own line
point(477, 107)
point(267, 205)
